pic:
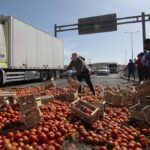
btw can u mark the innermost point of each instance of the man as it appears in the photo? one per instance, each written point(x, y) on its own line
point(131, 69)
point(82, 71)
point(146, 58)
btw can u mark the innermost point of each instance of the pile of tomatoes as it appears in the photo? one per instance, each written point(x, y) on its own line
point(113, 132)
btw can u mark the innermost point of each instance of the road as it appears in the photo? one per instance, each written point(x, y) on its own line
point(112, 79)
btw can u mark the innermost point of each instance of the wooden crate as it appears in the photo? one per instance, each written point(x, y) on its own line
point(78, 108)
point(116, 99)
point(44, 99)
point(73, 83)
point(11, 96)
point(2, 102)
point(101, 105)
point(113, 99)
point(72, 96)
point(31, 117)
point(48, 84)
point(26, 103)
point(144, 85)
point(141, 112)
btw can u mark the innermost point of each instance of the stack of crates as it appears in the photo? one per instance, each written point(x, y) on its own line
point(30, 112)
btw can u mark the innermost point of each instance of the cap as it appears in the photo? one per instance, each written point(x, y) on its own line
point(74, 55)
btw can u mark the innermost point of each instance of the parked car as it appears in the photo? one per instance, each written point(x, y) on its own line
point(103, 70)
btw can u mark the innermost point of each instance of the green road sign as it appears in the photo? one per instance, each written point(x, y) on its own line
point(97, 24)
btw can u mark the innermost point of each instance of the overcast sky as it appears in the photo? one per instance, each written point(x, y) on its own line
point(99, 47)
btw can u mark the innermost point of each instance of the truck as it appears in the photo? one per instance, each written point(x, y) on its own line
point(28, 53)
point(113, 67)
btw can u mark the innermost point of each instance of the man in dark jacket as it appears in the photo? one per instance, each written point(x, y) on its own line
point(82, 71)
point(131, 69)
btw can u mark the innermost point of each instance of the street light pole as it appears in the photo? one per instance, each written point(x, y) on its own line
point(131, 33)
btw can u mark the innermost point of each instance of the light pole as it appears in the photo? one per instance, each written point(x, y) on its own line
point(131, 33)
point(125, 59)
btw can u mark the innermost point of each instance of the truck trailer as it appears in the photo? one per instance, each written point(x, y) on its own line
point(27, 53)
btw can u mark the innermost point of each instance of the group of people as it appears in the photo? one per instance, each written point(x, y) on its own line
point(142, 64)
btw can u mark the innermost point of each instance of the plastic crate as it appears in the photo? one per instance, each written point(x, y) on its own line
point(31, 117)
point(78, 108)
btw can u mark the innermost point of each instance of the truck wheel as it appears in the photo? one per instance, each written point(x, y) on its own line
point(1, 78)
point(44, 76)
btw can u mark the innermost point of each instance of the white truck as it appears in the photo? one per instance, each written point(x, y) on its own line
point(27, 53)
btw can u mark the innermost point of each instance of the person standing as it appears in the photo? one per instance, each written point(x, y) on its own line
point(131, 69)
point(146, 58)
point(140, 67)
point(82, 71)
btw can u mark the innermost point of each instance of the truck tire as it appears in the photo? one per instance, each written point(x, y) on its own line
point(44, 76)
point(1, 78)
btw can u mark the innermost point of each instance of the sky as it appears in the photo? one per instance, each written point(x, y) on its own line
point(99, 47)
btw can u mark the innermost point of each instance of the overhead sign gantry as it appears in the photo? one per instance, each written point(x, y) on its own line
point(105, 23)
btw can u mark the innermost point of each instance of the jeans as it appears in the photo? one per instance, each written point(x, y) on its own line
point(86, 77)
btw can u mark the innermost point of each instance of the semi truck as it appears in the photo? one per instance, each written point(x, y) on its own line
point(27, 53)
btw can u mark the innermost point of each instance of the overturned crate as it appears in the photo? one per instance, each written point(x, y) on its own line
point(102, 107)
point(44, 99)
point(85, 111)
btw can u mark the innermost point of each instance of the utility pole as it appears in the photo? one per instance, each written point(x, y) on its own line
point(125, 57)
point(131, 34)
point(89, 61)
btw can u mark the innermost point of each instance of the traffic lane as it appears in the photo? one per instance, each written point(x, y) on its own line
point(110, 80)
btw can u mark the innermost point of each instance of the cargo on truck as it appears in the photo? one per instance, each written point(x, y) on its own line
point(27, 53)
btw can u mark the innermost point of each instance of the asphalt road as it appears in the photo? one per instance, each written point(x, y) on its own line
point(112, 79)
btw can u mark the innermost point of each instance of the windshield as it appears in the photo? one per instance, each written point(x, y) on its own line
point(103, 68)
point(113, 65)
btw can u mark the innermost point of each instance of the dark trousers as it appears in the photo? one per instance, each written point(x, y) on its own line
point(141, 74)
point(146, 72)
point(87, 79)
point(131, 72)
